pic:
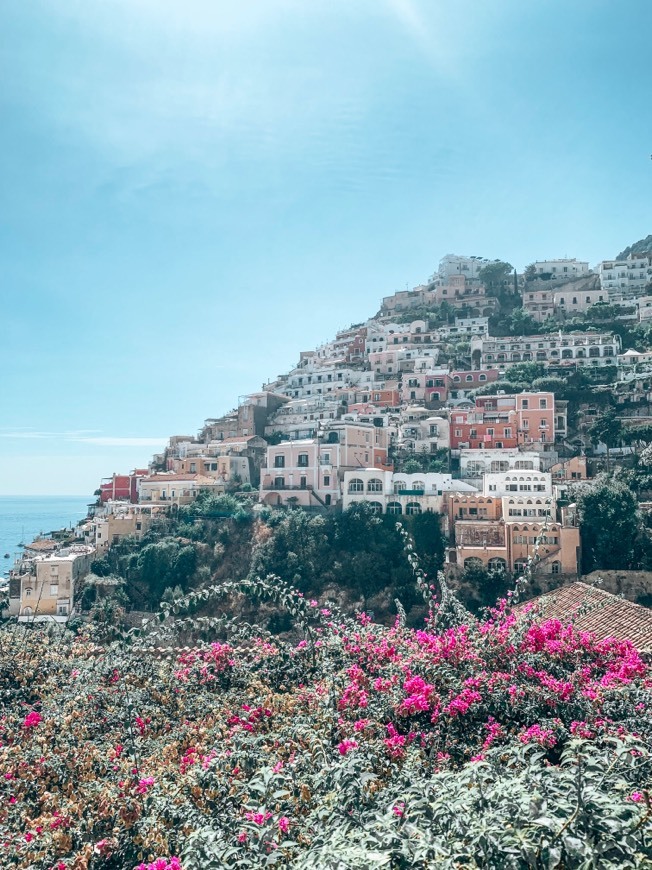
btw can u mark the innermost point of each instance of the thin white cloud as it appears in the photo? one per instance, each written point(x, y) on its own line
point(123, 441)
point(86, 436)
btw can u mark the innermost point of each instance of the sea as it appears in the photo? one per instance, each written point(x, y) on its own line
point(22, 518)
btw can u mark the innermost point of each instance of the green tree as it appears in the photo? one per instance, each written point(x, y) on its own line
point(530, 272)
point(520, 322)
point(495, 276)
point(610, 526)
point(607, 430)
point(429, 542)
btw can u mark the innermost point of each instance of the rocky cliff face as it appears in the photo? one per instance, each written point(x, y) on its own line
point(641, 247)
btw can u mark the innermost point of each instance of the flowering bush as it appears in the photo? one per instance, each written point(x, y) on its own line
point(503, 742)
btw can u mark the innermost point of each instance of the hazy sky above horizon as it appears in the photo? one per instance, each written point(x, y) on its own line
point(192, 193)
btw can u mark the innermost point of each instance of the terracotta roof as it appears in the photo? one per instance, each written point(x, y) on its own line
point(42, 545)
point(603, 614)
point(237, 439)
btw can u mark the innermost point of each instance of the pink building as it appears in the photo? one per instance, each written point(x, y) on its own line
point(309, 471)
point(522, 420)
point(122, 487)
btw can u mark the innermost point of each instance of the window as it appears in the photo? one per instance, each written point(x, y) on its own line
point(279, 461)
point(375, 485)
point(412, 508)
point(399, 486)
point(54, 590)
point(302, 460)
point(543, 403)
point(28, 592)
point(394, 507)
point(327, 480)
point(525, 403)
point(279, 482)
point(356, 485)
point(482, 378)
point(303, 482)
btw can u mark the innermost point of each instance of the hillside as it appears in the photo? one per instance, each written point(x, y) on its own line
point(643, 246)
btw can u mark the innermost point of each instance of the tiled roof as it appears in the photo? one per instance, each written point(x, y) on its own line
point(42, 545)
point(603, 614)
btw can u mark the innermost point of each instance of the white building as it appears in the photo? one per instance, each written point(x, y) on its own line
point(454, 264)
point(476, 463)
point(565, 268)
point(464, 327)
point(557, 348)
point(396, 493)
point(626, 279)
point(517, 482)
point(644, 308)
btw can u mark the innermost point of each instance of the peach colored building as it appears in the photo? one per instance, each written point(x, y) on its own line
point(46, 590)
point(496, 544)
point(175, 488)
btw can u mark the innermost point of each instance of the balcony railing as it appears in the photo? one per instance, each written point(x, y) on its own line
point(270, 487)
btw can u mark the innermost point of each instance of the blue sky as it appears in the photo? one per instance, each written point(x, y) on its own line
point(191, 193)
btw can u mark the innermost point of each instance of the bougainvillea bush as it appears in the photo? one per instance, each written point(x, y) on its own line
point(503, 742)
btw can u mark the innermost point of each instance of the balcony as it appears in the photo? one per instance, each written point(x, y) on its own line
point(270, 487)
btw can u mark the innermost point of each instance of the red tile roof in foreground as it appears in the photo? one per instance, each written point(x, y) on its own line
point(603, 614)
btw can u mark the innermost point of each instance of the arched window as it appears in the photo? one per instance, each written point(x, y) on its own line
point(482, 378)
point(399, 486)
point(394, 507)
point(520, 565)
point(412, 507)
point(27, 611)
point(356, 485)
point(469, 378)
point(418, 484)
point(375, 507)
point(375, 485)
point(28, 592)
point(497, 564)
point(555, 568)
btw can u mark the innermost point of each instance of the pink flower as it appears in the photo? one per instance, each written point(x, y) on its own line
point(145, 784)
point(242, 837)
point(32, 719)
point(346, 746)
point(258, 818)
point(398, 809)
point(636, 796)
point(284, 824)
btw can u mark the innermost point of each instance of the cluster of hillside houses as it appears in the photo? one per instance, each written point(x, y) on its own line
point(336, 429)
